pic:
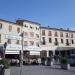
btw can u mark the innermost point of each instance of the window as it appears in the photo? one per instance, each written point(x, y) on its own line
point(49, 33)
point(43, 41)
point(50, 40)
point(56, 34)
point(25, 26)
point(56, 41)
point(36, 28)
point(9, 41)
point(31, 27)
point(25, 43)
point(66, 34)
point(10, 28)
point(61, 40)
point(61, 34)
point(71, 35)
point(43, 32)
point(0, 38)
point(37, 44)
point(72, 41)
point(31, 34)
point(31, 43)
point(17, 42)
point(18, 30)
point(26, 34)
point(67, 42)
point(0, 25)
point(37, 35)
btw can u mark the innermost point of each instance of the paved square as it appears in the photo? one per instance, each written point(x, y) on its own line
point(41, 70)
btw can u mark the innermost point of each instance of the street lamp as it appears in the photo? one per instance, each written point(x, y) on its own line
point(5, 45)
point(21, 52)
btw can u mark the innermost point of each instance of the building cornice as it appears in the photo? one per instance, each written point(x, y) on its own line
point(66, 30)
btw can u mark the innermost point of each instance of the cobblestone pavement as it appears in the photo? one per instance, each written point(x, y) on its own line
point(41, 70)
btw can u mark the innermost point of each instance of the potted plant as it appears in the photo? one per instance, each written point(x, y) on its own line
point(49, 61)
point(64, 63)
point(6, 65)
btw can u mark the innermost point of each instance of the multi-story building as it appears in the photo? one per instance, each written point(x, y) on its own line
point(37, 41)
point(9, 32)
point(57, 40)
point(31, 32)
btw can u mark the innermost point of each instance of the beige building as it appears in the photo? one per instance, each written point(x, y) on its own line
point(31, 38)
point(53, 40)
point(9, 32)
point(37, 41)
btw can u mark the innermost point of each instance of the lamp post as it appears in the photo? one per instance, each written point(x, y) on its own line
point(5, 45)
point(21, 52)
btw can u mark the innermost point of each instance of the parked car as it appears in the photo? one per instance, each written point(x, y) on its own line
point(72, 59)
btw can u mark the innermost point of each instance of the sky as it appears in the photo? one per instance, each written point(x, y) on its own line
point(53, 13)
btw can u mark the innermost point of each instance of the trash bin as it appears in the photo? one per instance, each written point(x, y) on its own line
point(1, 69)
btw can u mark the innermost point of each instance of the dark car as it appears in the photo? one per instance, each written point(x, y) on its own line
point(72, 59)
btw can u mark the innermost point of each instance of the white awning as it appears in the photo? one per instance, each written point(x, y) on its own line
point(32, 48)
point(34, 53)
point(12, 52)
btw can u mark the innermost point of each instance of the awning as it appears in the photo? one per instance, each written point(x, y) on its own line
point(12, 52)
point(32, 48)
point(64, 48)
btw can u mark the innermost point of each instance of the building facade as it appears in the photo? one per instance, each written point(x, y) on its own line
point(53, 40)
point(38, 42)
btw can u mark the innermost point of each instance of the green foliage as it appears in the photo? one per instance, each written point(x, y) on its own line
point(5, 62)
point(64, 60)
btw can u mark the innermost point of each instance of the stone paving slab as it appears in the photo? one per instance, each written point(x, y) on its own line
point(42, 70)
